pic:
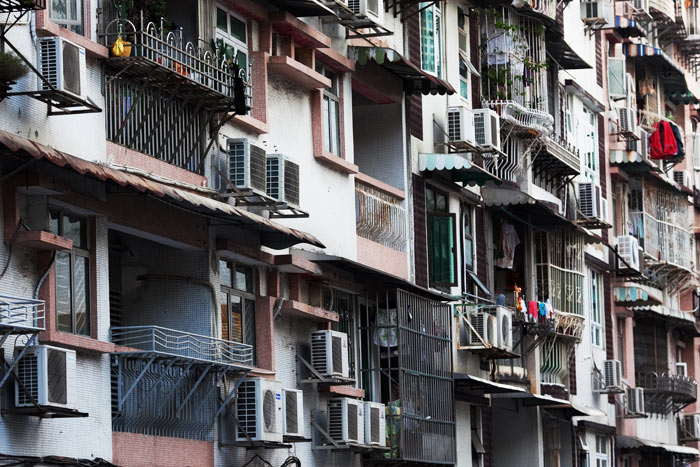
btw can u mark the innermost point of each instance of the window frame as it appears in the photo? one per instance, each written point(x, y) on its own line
point(601, 456)
point(70, 24)
point(230, 291)
point(75, 254)
point(229, 39)
point(463, 54)
point(436, 35)
point(596, 309)
point(331, 143)
point(433, 210)
point(621, 343)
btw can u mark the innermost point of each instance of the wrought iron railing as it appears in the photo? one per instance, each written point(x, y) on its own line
point(183, 344)
point(21, 312)
point(21, 5)
point(380, 216)
point(678, 387)
point(524, 118)
point(663, 241)
point(648, 119)
point(170, 50)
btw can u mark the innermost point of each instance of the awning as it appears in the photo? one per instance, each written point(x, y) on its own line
point(467, 64)
point(302, 8)
point(562, 53)
point(415, 79)
point(591, 102)
point(667, 313)
point(474, 384)
point(549, 403)
point(672, 73)
point(637, 295)
point(455, 167)
point(272, 235)
point(631, 442)
point(627, 27)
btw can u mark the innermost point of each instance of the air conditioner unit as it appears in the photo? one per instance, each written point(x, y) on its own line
point(634, 401)
point(62, 63)
point(292, 412)
point(681, 369)
point(681, 177)
point(595, 12)
point(329, 353)
point(259, 410)
point(628, 249)
point(641, 5)
point(691, 427)
point(487, 129)
point(283, 179)
point(612, 377)
point(375, 424)
point(485, 326)
point(346, 420)
point(247, 165)
point(460, 124)
point(504, 318)
point(628, 120)
point(49, 374)
point(372, 9)
point(589, 199)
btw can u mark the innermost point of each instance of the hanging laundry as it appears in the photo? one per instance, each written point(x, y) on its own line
point(532, 309)
point(663, 142)
point(509, 240)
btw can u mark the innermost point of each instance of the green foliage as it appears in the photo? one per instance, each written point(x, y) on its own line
point(11, 67)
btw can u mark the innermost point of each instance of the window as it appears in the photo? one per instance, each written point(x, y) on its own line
point(478, 450)
point(589, 143)
point(442, 265)
point(463, 41)
point(331, 113)
point(601, 451)
point(431, 43)
point(232, 36)
point(237, 303)
point(68, 14)
point(72, 270)
point(621, 343)
point(595, 307)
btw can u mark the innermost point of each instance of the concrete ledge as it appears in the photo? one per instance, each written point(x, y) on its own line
point(383, 258)
point(297, 72)
point(379, 185)
point(133, 449)
point(303, 34)
point(75, 342)
point(337, 163)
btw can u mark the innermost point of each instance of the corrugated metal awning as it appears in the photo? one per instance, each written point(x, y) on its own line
point(455, 167)
point(469, 383)
point(684, 317)
point(631, 442)
point(272, 234)
point(672, 74)
point(415, 79)
point(637, 295)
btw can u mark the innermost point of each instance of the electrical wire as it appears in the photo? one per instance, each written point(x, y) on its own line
point(257, 458)
point(291, 461)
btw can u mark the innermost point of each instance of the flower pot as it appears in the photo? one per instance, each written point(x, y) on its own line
point(127, 49)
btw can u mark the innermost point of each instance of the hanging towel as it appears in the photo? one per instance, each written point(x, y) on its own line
point(543, 309)
point(532, 309)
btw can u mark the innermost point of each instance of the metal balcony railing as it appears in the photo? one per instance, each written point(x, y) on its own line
point(679, 388)
point(523, 118)
point(21, 5)
point(663, 241)
point(172, 342)
point(379, 216)
point(19, 312)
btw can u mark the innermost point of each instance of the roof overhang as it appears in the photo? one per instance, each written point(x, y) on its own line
point(414, 79)
point(564, 407)
point(631, 442)
point(480, 386)
point(561, 52)
point(455, 167)
point(636, 295)
point(591, 102)
point(272, 234)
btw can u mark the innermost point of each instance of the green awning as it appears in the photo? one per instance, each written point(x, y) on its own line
point(635, 296)
point(455, 167)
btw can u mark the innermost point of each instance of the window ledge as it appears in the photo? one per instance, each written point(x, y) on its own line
point(295, 264)
point(49, 29)
point(335, 60)
point(296, 309)
point(379, 185)
point(297, 72)
point(75, 342)
point(251, 124)
point(303, 34)
point(348, 391)
point(337, 163)
point(41, 240)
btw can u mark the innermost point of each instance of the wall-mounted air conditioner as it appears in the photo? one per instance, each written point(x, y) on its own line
point(282, 179)
point(329, 353)
point(691, 427)
point(372, 9)
point(247, 165)
point(589, 200)
point(628, 249)
point(292, 412)
point(62, 63)
point(346, 420)
point(375, 424)
point(504, 317)
point(612, 377)
point(681, 177)
point(634, 401)
point(259, 410)
point(487, 129)
point(642, 6)
point(484, 329)
point(596, 13)
point(460, 124)
point(628, 121)
point(49, 374)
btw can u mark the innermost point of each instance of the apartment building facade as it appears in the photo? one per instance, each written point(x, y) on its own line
point(297, 232)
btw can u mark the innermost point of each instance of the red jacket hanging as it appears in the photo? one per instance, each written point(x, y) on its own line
point(663, 142)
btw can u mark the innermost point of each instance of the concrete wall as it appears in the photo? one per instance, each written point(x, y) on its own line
point(517, 434)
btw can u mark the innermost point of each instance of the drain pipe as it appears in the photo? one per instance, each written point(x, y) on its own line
point(44, 276)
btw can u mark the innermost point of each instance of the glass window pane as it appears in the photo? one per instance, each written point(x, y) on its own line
point(468, 253)
point(244, 279)
point(326, 129)
point(427, 39)
point(429, 199)
point(54, 222)
point(249, 322)
point(236, 319)
point(225, 273)
point(73, 10)
point(464, 88)
point(440, 203)
point(75, 228)
point(81, 289)
point(242, 60)
point(221, 17)
point(63, 292)
point(333, 127)
point(59, 9)
point(224, 298)
point(238, 30)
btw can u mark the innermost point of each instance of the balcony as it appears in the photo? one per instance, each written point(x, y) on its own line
point(665, 392)
point(380, 216)
point(159, 341)
point(664, 243)
point(559, 156)
point(20, 314)
point(523, 119)
point(663, 11)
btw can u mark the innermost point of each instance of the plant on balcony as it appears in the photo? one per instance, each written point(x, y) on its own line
point(12, 68)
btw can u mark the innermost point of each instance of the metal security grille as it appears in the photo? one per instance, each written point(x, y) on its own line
point(273, 177)
point(335, 419)
point(290, 405)
point(344, 304)
point(28, 373)
point(57, 384)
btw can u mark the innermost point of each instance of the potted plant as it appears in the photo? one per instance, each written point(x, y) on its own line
point(12, 68)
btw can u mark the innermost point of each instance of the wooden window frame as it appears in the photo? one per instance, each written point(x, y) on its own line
point(229, 290)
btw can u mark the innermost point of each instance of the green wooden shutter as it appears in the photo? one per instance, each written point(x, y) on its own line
point(441, 246)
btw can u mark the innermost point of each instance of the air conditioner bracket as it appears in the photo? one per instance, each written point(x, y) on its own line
point(318, 378)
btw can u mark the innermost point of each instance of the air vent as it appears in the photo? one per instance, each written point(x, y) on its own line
point(291, 416)
point(269, 410)
point(282, 181)
point(247, 165)
point(57, 383)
